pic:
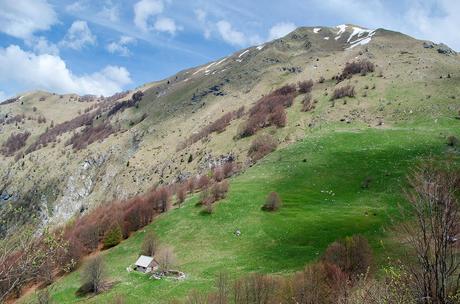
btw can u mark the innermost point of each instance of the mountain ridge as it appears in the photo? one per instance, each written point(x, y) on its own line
point(175, 107)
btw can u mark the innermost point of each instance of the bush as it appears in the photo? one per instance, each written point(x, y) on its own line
point(90, 135)
point(203, 182)
point(345, 91)
point(353, 255)
point(160, 199)
point(14, 143)
point(362, 67)
point(272, 203)
point(305, 86)
point(217, 126)
point(218, 174)
point(262, 146)
point(228, 169)
point(278, 117)
point(219, 190)
point(112, 237)
point(319, 283)
point(307, 103)
point(52, 133)
point(269, 110)
point(452, 141)
point(181, 194)
point(121, 106)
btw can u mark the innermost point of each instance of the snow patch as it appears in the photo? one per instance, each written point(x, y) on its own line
point(342, 28)
point(316, 30)
point(260, 47)
point(206, 69)
point(358, 31)
point(222, 61)
point(361, 41)
point(242, 54)
point(326, 38)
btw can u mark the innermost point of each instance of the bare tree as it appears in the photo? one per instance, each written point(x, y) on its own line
point(93, 275)
point(23, 257)
point(434, 234)
point(181, 194)
point(150, 244)
point(255, 289)
point(166, 258)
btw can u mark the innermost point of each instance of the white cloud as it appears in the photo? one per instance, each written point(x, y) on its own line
point(280, 30)
point(144, 10)
point(41, 45)
point(22, 18)
point(164, 24)
point(201, 16)
point(235, 37)
point(110, 12)
point(78, 36)
point(121, 46)
point(48, 72)
point(75, 7)
point(441, 27)
point(229, 34)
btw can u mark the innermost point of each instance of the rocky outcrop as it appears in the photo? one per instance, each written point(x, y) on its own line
point(78, 187)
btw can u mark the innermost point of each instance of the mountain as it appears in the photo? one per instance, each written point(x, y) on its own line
point(140, 144)
point(338, 162)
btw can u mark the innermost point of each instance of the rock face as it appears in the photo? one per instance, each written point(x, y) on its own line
point(444, 49)
point(441, 48)
point(79, 186)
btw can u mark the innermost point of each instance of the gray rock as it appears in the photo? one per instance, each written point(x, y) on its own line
point(428, 44)
point(444, 49)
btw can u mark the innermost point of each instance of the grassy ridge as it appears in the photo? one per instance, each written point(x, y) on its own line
point(319, 180)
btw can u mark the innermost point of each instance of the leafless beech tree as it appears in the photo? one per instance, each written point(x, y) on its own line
point(24, 257)
point(255, 289)
point(433, 236)
point(166, 258)
point(93, 275)
point(150, 244)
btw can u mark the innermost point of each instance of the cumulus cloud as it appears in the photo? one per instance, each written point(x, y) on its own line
point(78, 36)
point(75, 7)
point(440, 27)
point(231, 35)
point(144, 10)
point(22, 18)
point(280, 30)
point(41, 45)
point(201, 16)
point(49, 72)
point(110, 12)
point(120, 47)
point(234, 37)
point(164, 24)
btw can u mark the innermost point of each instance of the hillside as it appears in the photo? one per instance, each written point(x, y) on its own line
point(410, 87)
point(402, 113)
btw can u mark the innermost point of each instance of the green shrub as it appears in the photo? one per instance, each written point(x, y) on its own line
point(112, 237)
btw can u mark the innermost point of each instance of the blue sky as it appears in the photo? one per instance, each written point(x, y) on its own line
point(105, 46)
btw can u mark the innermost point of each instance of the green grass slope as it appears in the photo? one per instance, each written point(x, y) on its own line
point(319, 180)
